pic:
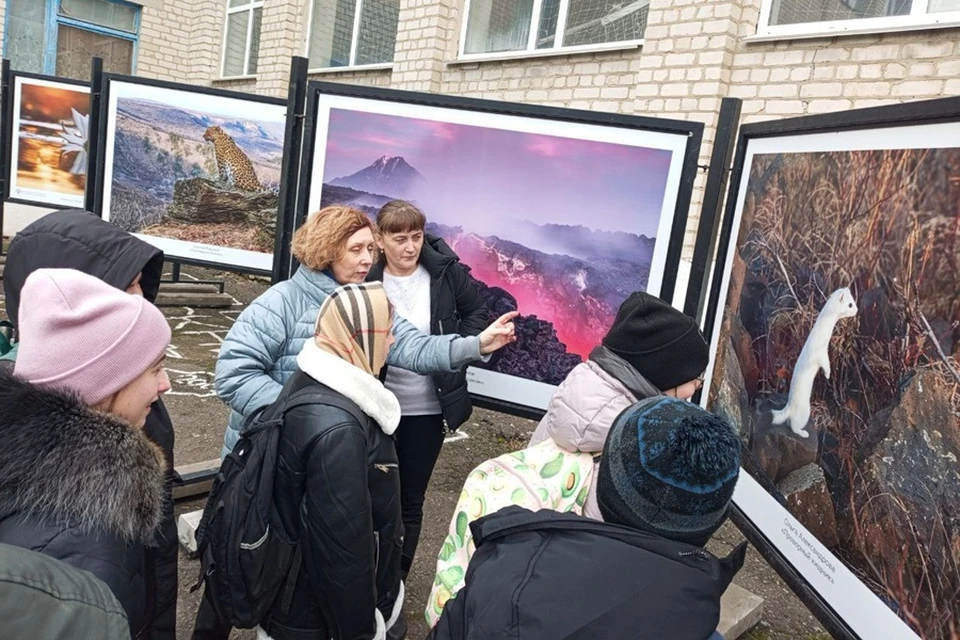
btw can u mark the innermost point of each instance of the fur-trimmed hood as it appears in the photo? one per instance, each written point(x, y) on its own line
point(61, 462)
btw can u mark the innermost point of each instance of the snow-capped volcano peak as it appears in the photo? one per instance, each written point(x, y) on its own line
point(387, 175)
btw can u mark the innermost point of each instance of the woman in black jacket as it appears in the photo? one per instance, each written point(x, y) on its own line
point(337, 481)
point(75, 239)
point(429, 287)
point(79, 479)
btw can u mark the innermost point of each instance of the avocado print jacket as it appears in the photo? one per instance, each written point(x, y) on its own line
point(540, 477)
point(585, 406)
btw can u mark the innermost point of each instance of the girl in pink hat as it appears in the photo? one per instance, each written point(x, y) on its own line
point(79, 479)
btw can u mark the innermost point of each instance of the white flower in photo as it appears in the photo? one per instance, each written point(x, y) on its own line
point(76, 142)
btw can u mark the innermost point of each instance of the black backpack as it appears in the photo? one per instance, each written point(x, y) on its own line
point(247, 559)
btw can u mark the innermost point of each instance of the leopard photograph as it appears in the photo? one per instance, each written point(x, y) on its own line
point(195, 169)
point(233, 164)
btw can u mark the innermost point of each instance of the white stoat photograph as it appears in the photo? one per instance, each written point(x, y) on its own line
point(837, 353)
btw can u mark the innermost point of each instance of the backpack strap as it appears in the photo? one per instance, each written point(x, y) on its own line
point(314, 395)
point(290, 583)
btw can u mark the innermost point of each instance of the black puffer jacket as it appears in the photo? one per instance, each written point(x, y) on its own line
point(456, 307)
point(74, 239)
point(338, 485)
point(545, 575)
point(82, 487)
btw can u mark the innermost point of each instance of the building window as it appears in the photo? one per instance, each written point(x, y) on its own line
point(241, 38)
point(816, 17)
point(349, 33)
point(496, 26)
point(59, 37)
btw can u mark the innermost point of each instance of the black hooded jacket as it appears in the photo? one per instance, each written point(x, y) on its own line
point(75, 239)
point(456, 307)
point(545, 575)
point(83, 487)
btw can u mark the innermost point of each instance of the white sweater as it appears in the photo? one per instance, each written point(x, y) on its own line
point(410, 296)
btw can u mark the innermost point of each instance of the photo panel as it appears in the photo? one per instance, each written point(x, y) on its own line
point(836, 341)
point(48, 138)
point(556, 219)
point(193, 171)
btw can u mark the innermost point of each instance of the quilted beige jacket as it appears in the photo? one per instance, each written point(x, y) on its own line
point(585, 405)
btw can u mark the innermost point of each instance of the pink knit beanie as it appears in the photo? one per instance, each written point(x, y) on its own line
point(79, 334)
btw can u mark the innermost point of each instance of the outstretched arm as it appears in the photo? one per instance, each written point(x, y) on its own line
point(425, 354)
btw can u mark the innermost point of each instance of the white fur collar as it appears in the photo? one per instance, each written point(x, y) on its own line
point(369, 393)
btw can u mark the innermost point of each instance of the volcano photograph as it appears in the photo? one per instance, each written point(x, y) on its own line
point(559, 228)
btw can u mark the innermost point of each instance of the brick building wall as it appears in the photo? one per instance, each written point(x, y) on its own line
point(694, 53)
point(168, 42)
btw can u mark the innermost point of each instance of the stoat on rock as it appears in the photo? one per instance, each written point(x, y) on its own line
point(813, 357)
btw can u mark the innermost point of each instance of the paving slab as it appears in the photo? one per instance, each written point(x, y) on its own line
point(740, 611)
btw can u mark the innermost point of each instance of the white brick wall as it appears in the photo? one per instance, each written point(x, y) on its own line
point(373, 77)
point(426, 39)
point(167, 47)
point(598, 82)
point(844, 73)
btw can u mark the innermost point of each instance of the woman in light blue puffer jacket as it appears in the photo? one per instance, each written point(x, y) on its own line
point(335, 246)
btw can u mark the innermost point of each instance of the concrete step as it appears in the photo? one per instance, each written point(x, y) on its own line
point(196, 300)
point(188, 287)
point(740, 611)
point(195, 479)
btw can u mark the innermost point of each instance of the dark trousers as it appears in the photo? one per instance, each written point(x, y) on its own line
point(419, 440)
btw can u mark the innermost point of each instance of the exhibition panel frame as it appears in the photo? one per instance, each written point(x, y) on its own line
point(558, 213)
point(195, 171)
point(832, 319)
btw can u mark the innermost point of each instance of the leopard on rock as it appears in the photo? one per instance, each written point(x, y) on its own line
point(234, 165)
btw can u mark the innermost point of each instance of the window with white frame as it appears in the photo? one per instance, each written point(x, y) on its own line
point(499, 26)
point(241, 38)
point(350, 33)
point(59, 37)
point(813, 17)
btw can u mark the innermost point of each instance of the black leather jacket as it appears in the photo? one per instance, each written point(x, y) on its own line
point(456, 307)
point(337, 484)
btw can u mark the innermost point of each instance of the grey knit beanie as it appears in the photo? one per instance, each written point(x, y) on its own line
point(669, 468)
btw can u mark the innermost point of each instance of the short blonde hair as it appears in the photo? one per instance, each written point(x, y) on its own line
point(400, 216)
point(322, 238)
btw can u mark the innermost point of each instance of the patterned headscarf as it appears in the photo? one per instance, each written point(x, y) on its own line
point(353, 324)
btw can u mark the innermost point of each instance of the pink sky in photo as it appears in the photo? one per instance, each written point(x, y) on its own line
point(481, 176)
